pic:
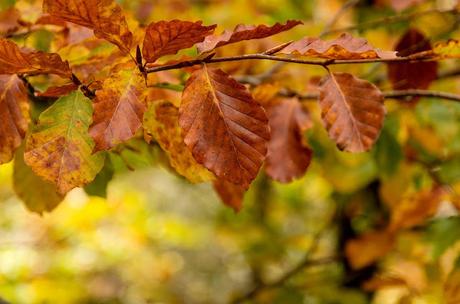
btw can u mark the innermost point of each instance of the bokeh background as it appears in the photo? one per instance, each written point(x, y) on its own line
point(152, 237)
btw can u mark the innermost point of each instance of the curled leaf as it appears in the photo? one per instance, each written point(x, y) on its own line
point(59, 148)
point(169, 37)
point(118, 108)
point(352, 111)
point(14, 115)
point(224, 127)
point(105, 17)
point(288, 156)
point(244, 32)
point(13, 60)
point(344, 47)
point(161, 121)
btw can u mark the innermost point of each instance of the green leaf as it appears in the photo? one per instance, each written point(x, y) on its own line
point(38, 195)
point(443, 233)
point(59, 148)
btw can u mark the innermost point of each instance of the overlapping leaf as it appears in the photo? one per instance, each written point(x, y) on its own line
point(161, 122)
point(244, 32)
point(344, 47)
point(58, 91)
point(13, 60)
point(352, 111)
point(288, 156)
point(14, 115)
point(59, 148)
point(224, 127)
point(118, 108)
point(412, 75)
point(169, 37)
point(38, 195)
point(105, 17)
point(231, 195)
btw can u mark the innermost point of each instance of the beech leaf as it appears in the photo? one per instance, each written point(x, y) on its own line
point(224, 127)
point(9, 21)
point(352, 111)
point(169, 37)
point(161, 121)
point(59, 148)
point(118, 108)
point(105, 17)
point(14, 115)
point(288, 156)
point(38, 195)
point(244, 32)
point(13, 60)
point(58, 91)
point(344, 47)
point(231, 195)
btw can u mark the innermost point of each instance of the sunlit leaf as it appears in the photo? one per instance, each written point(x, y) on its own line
point(59, 148)
point(224, 127)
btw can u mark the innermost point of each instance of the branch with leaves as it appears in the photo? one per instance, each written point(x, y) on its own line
point(221, 131)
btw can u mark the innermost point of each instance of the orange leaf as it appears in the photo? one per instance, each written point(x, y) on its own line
point(244, 32)
point(288, 157)
point(344, 47)
point(224, 127)
point(368, 248)
point(14, 115)
point(58, 91)
point(9, 21)
point(352, 111)
point(413, 75)
point(231, 195)
point(169, 37)
point(13, 60)
point(118, 108)
point(105, 17)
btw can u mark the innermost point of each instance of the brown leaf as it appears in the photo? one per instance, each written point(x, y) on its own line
point(344, 47)
point(105, 17)
point(118, 108)
point(416, 209)
point(9, 21)
point(13, 60)
point(224, 127)
point(169, 37)
point(352, 111)
point(288, 156)
point(58, 91)
point(368, 248)
point(14, 115)
point(414, 75)
point(231, 195)
point(244, 32)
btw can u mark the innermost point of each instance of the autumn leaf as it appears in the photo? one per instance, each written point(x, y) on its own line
point(9, 21)
point(13, 60)
point(352, 111)
point(58, 91)
point(231, 195)
point(169, 37)
point(14, 115)
point(38, 195)
point(412, 75)
point(224, 127)
point(105, 17)
point(59, 148)
point(288, 156)
point(118, 108)
point(368, 248)
point(447, 49)
point(244, 32)
point(417, 208)
point(344, 47)
point(161, 121)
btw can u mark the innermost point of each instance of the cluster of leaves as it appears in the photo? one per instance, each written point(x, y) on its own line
point(220, 132)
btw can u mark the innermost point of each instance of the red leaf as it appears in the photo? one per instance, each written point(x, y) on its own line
point(288, 157)
point(231, 195)
point(224, 127)
point(169, 37)
point(244, 32)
